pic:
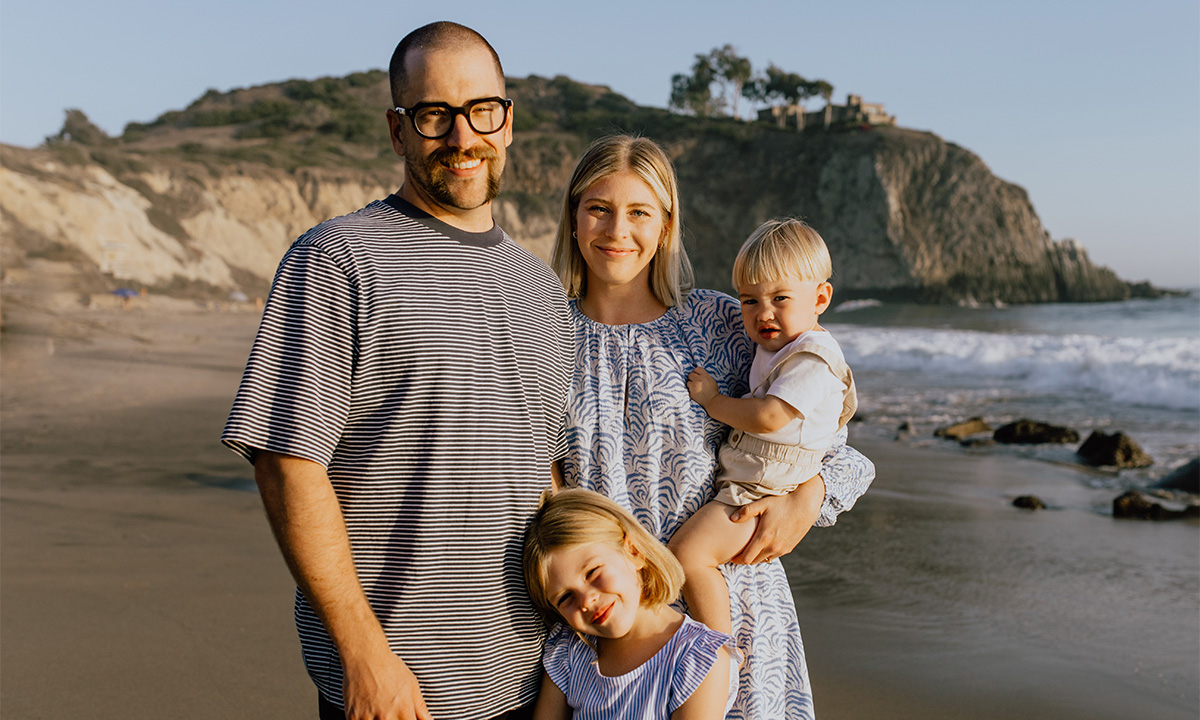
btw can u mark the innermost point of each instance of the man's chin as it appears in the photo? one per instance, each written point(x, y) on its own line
point(463, 198)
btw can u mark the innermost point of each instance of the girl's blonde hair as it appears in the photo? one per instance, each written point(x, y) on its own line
point(670, 270)
point(782, 248)
point(570, 518)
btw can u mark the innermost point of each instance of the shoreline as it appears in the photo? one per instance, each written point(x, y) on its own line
point(137, 562)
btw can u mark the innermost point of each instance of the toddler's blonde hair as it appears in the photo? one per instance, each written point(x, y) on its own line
point(782, 248)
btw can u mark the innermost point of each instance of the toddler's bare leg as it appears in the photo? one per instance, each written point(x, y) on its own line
point(707, 540)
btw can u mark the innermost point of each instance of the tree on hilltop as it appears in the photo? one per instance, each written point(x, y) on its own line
point(721, 66)
point(734, 77)
point(693, 93)
point(778, 84)
point(78, 128)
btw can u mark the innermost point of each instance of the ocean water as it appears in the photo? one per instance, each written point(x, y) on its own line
point(1131, 366)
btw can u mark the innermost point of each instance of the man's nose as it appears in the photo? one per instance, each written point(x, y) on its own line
point(461, 135)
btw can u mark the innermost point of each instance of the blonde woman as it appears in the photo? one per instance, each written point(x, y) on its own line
point(635, 435)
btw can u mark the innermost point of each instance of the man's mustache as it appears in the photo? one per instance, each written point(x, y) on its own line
point(450, 155)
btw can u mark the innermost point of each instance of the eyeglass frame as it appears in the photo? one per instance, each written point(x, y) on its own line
point(411, 113)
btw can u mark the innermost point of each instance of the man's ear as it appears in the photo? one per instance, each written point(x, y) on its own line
point(824, 297)
point(508, 127)
point(396, 131)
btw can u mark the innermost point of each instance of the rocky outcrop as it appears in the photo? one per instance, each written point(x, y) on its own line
point(906, 214)
point(1113, 450)
point(1032, 432)
point(1140, 506)
point(1185, 478)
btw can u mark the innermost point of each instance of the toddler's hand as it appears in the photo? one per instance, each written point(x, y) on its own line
point(701, 386)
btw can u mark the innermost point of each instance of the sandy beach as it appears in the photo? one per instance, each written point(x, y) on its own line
point(140, 579)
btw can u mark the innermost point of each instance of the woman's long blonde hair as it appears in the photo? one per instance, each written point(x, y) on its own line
point(571, 518)
point(670, 270)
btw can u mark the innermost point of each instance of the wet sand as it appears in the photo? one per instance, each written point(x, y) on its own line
point(140, 579)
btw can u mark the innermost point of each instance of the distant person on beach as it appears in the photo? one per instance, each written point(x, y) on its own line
point(636, 436)
point(403, 407)
point(617, 649)
point(801, 395)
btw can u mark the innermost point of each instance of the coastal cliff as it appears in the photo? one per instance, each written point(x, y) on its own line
point(203, 202)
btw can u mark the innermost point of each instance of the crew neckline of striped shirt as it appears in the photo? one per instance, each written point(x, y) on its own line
point(487, 238)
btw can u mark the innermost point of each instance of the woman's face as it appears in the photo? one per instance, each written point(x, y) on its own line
point(619, 224)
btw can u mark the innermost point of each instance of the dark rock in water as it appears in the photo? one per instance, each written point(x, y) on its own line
point(1118, 450)
point(958, 431)
point(1137, 505)
point(1186, 478)
point(1029, 502)
point(905, 430)
point(1032, 432)
point(974, 442)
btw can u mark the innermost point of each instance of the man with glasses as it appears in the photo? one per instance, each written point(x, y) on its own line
point(403, 408)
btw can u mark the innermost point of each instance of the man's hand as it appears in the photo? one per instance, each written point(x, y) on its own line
point(701, 386)
point(382, 688)
point(783, 522)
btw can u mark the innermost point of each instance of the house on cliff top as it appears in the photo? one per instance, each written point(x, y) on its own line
point(854, 112)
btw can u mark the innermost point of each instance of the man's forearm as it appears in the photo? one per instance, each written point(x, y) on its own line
point(307, 521)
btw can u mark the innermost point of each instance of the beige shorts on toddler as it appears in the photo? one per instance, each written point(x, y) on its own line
point(752, 468)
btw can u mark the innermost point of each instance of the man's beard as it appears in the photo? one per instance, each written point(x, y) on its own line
point(433, 178)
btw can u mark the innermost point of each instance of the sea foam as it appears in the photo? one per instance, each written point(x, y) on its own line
point(1163, 372)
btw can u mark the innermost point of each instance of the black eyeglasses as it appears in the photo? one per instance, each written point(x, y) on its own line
point(435, 120)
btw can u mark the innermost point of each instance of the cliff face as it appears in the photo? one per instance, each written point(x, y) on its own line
point(906, 215)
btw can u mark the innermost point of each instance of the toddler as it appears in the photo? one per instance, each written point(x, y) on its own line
point(802, 394)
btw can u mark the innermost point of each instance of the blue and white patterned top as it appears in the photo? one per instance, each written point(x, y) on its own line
point(635, 435)
point(651, 691)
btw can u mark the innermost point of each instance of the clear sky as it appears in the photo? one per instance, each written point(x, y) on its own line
point(1093, 107)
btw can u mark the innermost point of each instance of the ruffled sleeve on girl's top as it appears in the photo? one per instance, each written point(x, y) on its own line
point(562, 647)
point(696, 647)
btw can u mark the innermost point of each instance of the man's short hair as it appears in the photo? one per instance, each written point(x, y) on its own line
point(439, 35)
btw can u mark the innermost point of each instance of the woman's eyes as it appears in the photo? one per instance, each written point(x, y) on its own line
point(637, 212)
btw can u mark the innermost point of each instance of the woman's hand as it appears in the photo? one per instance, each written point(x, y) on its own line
point(783, 522)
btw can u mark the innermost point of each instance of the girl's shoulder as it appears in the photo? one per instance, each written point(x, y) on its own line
point(565, 648)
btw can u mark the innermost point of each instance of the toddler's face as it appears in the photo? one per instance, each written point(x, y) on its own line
point(776, 312)
point(596, 588)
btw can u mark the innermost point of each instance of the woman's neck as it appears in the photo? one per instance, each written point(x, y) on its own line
point(653, 628)
point(621, 305)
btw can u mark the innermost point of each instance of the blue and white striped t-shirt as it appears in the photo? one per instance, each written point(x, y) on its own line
point(652, 691)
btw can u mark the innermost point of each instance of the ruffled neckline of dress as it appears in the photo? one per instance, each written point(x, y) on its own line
point(668, 317)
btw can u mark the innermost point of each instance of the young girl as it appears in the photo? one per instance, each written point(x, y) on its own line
point(625, 653)
point(802, 395)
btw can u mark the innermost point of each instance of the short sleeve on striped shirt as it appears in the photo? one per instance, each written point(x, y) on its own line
point(294, 393)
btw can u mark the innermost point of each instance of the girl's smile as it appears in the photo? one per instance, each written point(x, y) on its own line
point(596, 588)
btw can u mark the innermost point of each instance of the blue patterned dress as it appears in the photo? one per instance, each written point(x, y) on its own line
point(635, 435)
